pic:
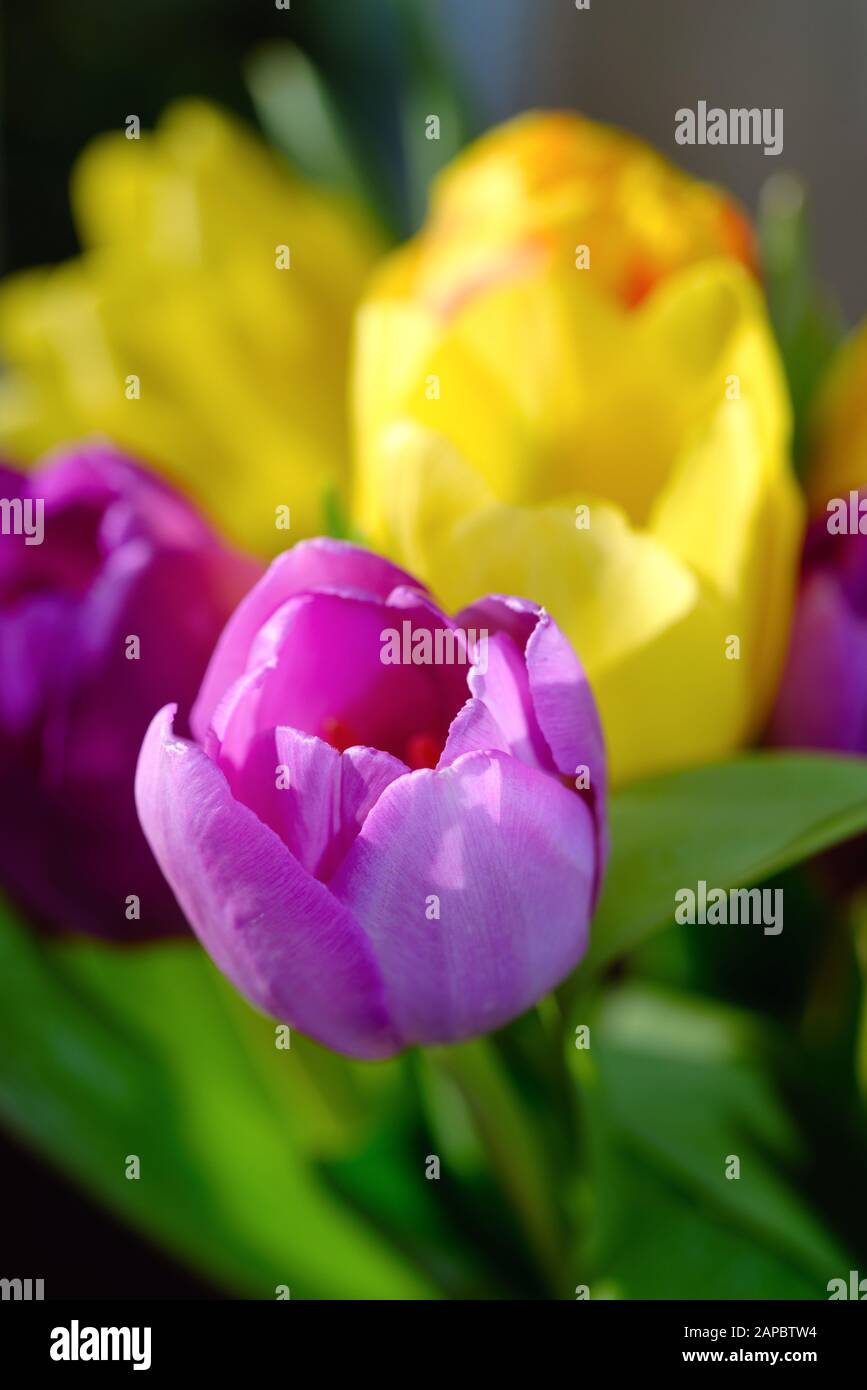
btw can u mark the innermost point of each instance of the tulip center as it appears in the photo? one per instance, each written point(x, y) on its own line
point(337, 732)
point(332, 680)
point(419, 750)
point(422, 750)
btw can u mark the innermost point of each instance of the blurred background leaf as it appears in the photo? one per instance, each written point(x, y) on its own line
point(430, 87)
point(732, 824)
point(382, 151)
point(302, 118)
point(109, 1053)
point(679, 1086)
point(808, 324)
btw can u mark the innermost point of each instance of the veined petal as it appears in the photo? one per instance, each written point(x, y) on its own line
point(281, 937)
point(314, 797)
point(474, 886)
point(310, 565)
point(505, 688)
point(561, 717)
point(319, 668)
point(473, 729)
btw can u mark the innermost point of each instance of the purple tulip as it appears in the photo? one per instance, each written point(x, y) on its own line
point(822, 699)
point(382, 851)
point(112, 595)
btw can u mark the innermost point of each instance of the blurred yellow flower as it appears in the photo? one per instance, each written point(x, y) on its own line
point(179, 333)
point(839, 434)
point(529, 426)
point(545, 184)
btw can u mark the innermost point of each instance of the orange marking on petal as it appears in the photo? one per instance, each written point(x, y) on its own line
point(640, 279)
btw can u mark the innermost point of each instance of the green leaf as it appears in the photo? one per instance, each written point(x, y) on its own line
point(296, 111)
point(732, 824)
point(668, 1246)
point(301, 117)
point(106, 1053)
point(682, 1086)
point(338, 522)
point(431, 89)
point(808, 325)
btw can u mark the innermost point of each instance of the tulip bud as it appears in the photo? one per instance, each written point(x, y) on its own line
point(112, 594)
point(610, 431)
point(427, 870)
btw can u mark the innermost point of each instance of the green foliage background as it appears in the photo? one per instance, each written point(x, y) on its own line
point(560, 1166)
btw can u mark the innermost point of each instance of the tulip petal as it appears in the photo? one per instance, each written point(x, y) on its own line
point(34, 659)
point(569, 721)
point(314, 797)
point(822, 700)
point(504, 687)
point(563, 716)
point(473, 730)
point(286, 943)
point(320, 668)
point(612, 587)
point(128, 501)
point(321, 564)
point(504, 857)
point(562, 698)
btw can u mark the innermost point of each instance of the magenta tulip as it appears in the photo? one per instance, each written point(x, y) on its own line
point(112, 594)
point(822, 698)
point(389, 827)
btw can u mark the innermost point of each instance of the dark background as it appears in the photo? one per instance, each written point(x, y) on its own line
point(635, 62)
point(71, 70)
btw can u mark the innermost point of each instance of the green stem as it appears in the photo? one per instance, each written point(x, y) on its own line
point(858, 918)
point(511, 1144)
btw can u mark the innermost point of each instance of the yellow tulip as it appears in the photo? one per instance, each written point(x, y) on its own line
point(839, 434)
point(543, 185)
point(528, 426)
point(205, 327)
